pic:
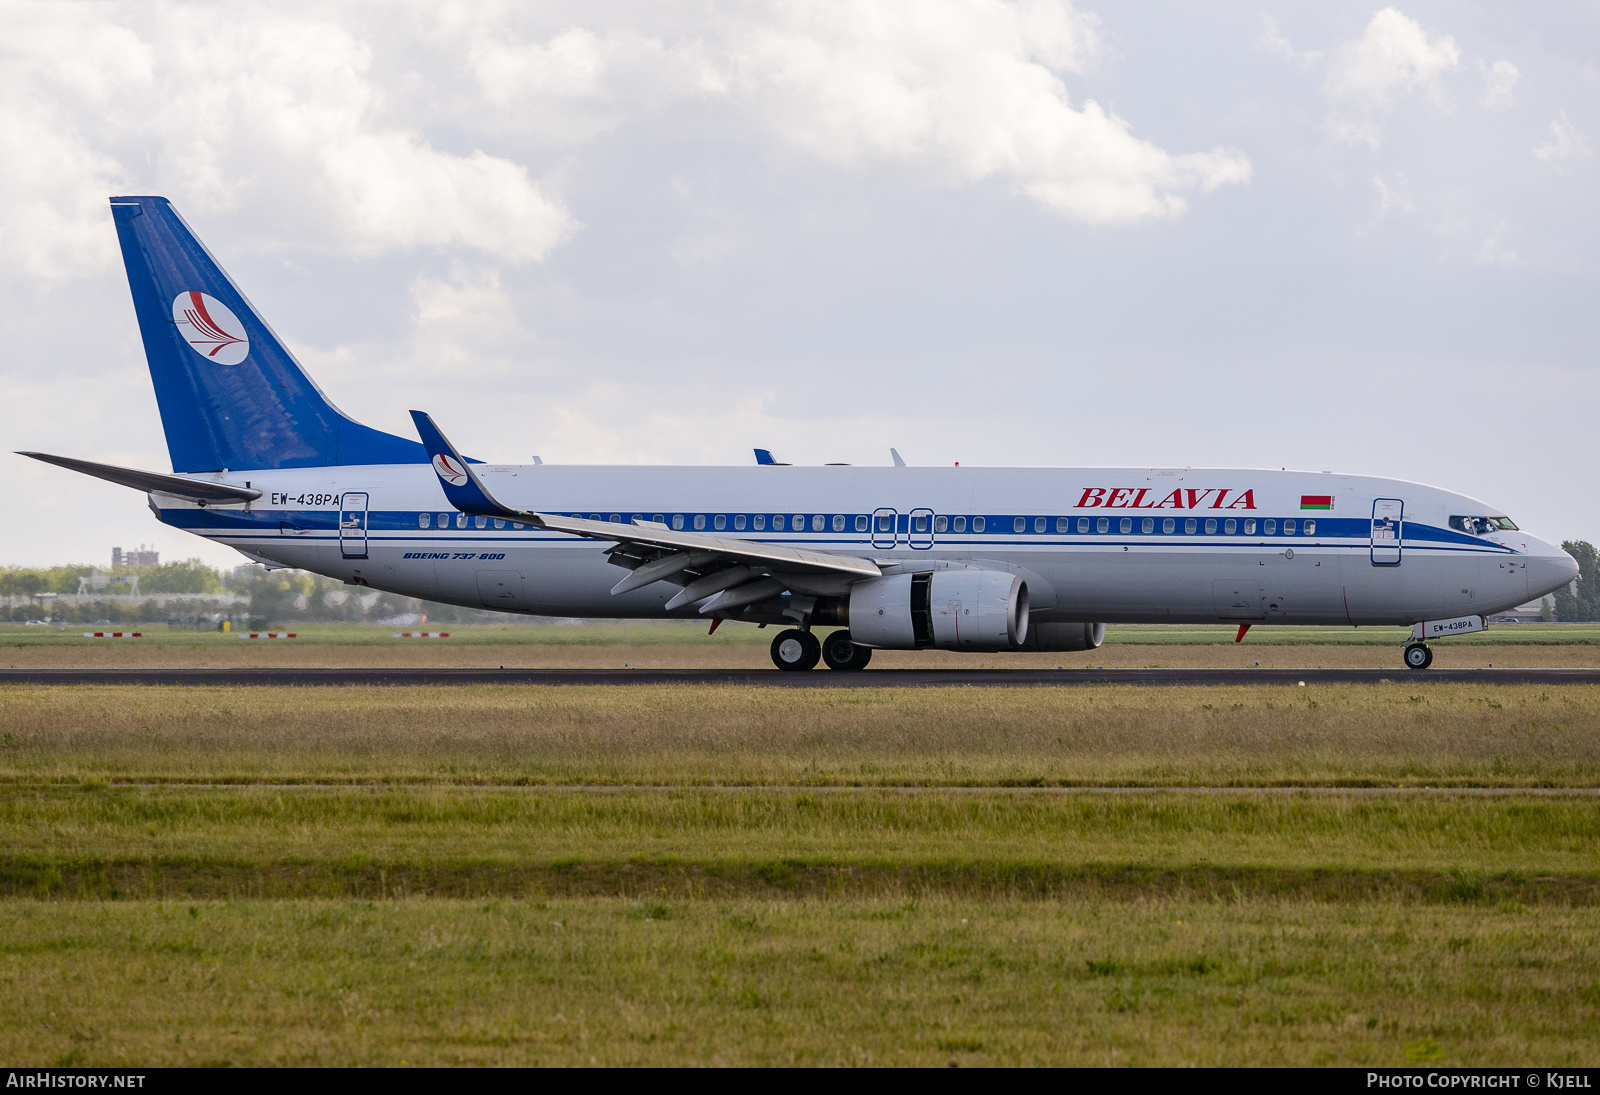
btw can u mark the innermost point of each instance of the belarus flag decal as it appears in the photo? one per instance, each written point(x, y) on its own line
point(1316, 501)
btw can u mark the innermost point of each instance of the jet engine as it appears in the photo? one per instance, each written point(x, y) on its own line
point(1065, 637)
point(963, 609)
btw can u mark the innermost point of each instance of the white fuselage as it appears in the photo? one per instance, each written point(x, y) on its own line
point(1094, 544)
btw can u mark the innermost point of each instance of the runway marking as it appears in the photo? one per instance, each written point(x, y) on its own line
point(884, 678)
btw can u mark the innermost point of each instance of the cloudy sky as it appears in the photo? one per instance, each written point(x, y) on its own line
point(1317, 236)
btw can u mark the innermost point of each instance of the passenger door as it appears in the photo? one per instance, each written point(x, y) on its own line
point(353, 526)
point(885, 531)
point(1388, 531)
point(920, 529)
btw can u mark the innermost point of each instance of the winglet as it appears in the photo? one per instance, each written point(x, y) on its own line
point(899, 462)
point(764, 456)
point(461, 484)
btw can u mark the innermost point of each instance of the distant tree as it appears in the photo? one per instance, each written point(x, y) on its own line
point(1582, 605)
point(188, 576)
point(1547, 610)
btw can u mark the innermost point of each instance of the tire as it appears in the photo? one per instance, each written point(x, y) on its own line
point(795, 650)
point(840, 653)
point(1418, 656)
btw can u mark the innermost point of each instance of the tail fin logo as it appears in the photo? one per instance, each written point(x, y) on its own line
point(449, 470)
point(210, 328)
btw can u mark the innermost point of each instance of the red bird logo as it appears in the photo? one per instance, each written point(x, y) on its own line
point(210, 327)
point(449, 470)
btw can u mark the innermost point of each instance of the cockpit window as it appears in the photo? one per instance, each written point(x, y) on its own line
point(1482, 526)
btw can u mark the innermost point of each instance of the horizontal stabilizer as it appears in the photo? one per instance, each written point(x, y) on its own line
point(196, 490)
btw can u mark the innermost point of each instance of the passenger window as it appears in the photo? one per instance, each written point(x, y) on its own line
point(481, 522)
point(616, 518)
point(920, 522)
point(659, 519)
point(1229, 526)
point(738, 522)
point(1269, 527)
point(1250, 527)
point(1083, 524)
point(760, 521)
point(499, 523)
point(817, 523)
point(798, 523)
point(677, 520)
point(1038, 524)
point(1311, 528)
point(424, 520)
point(939, 524)
point(1148, 525)
point(592, 517)
point(1288, 527)
point(1189, 526)
point(461, 520)
point(1062, 524)
point(699, 521)
point(961, 524)
point(777, 522)
point(444, 520)
point(978, 524)
point(1020, 525)
point(838, 522)
point(1168, 526)
point(1103, 525)
point(516, 524)
point(1125, 525)
point(861, 522)
point(636, 518)
point(721, 521)
point(885, 523)
point(1211, 526)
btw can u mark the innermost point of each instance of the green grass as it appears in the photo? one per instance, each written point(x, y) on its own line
point(899, 980)
point(1398, 735)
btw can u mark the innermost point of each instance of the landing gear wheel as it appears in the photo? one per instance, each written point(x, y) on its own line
point(840, 653)
point(795, 650)
point(1418, 656)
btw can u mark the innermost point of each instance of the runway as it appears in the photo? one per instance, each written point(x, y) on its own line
point(772, 678)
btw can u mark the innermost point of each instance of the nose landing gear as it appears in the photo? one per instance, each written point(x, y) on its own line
point(1418, 655)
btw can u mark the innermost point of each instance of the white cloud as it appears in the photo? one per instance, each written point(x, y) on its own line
point(1491, 253)
point(1395, 198)
point(1275, 42)
point(207, 104)
point(951, 91)
point(1565, 143)
point(1500, 82)
point(1394, 57)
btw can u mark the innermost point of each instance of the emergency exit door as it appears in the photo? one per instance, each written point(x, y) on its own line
point(1388, 531)
point(353, 526)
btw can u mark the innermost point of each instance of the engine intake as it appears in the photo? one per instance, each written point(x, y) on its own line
point(966, 609)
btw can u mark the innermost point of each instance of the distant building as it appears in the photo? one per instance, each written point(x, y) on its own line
point(143, 557)
point(1530, 613)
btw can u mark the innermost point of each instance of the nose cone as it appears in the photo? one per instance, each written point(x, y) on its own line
point(1549, 569)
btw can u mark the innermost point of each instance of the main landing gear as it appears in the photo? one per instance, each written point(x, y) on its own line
point(840, 653)
point(797, 650)
point(1418, 655)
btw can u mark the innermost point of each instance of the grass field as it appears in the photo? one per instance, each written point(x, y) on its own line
point(870, 981)
point(684, 645)
point(1397, 735)
point(1377, 875)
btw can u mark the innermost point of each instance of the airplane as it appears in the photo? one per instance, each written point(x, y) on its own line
point(889, 558)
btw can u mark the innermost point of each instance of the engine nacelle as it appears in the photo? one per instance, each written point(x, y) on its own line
point(1064, 638)
point(952, 609)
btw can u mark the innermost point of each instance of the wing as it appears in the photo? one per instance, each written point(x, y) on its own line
point(722, 572)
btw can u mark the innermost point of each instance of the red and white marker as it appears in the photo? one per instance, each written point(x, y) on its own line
point(268, 635)
point(422, 634)
point(113, 635)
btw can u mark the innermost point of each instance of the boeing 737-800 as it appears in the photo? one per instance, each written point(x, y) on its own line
point(896, 558)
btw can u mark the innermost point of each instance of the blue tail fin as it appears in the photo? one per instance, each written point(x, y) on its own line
point(231, 395)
